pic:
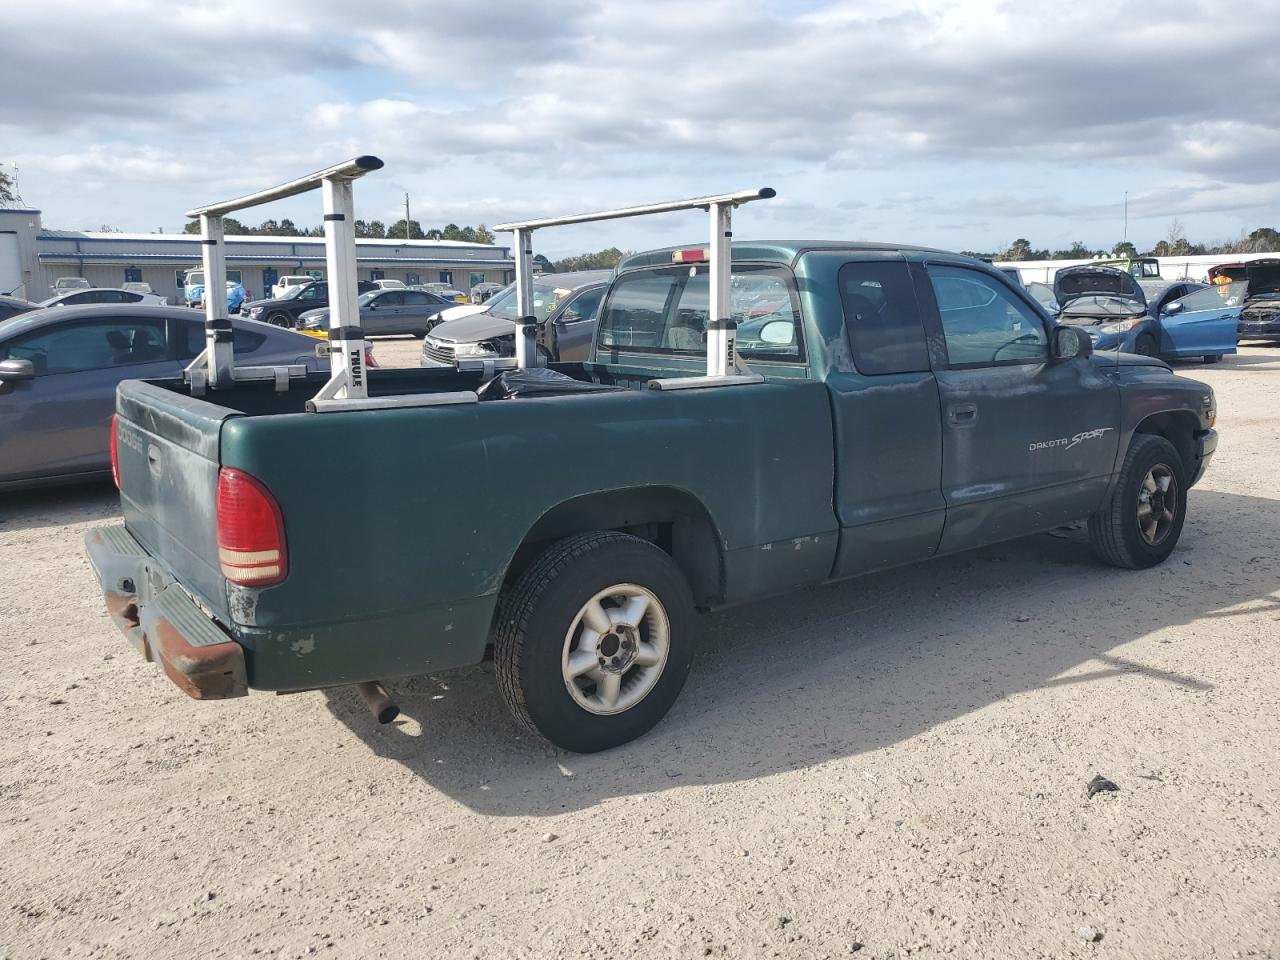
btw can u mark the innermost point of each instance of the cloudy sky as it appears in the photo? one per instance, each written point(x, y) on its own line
point(955, 123)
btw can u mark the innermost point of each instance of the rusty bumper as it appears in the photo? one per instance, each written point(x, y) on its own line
point(161, 620)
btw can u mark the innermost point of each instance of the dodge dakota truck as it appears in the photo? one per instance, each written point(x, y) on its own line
point(902, 403)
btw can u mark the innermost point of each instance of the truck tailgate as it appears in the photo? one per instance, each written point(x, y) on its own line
point(167, 449)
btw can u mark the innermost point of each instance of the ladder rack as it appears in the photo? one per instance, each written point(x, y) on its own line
point(347, 387)
point(723, 363)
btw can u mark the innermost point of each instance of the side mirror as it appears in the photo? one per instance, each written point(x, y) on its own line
point(1171, 308)
point(780, 333)
point(1070, 343)
point(14, 370)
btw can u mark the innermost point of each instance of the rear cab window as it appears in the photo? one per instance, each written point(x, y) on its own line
point(882, 318)
point(663, 311)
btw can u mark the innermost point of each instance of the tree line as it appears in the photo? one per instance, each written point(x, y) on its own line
point(1174, 244)
point(365, 230)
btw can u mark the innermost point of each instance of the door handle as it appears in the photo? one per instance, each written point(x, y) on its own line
point(962, 414)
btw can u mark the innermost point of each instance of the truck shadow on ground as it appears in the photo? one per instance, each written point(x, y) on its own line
point(843, 669)
point(58, 506)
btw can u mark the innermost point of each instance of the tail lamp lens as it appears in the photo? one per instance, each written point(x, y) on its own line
point(251, 547)
point(115, 456)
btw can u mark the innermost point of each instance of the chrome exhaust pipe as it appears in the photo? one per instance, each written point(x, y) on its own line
point(378, 701)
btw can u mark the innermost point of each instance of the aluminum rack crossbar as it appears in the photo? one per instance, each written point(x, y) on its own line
point(722, 358)
point(347, 387)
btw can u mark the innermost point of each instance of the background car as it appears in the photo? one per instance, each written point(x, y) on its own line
point(193, 292)
point(452, 295)
point(63, 284)
point(483, 291)
point(389, 284)
point(1260, 305)
point(59, 370)
point(137, 286)
point(1115, 309)
point(84, 296)
point(385, 312)
point(12, 306)
point(285, 284)
point(565, 304)
point(284, 311)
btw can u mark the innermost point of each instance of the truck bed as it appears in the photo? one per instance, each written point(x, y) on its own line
point(373, 499)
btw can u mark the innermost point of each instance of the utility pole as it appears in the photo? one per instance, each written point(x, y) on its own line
point(406, 216)
point(1126, 216)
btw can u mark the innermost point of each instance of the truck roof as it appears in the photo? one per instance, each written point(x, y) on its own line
point(780, 251)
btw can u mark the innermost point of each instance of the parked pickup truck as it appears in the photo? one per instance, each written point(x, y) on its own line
point(914, 403)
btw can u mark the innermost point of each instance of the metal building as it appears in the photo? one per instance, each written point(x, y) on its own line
point(32, 257)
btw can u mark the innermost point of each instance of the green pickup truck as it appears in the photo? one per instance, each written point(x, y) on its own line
point(902, 403)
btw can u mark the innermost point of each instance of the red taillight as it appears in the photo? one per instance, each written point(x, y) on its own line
point(251, 548)
point(115, 457)
point(691, 255)
point(368, 357)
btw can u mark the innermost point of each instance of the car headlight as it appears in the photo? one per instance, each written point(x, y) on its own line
point(480, 349)
point(256, 311)
point(1120, 326)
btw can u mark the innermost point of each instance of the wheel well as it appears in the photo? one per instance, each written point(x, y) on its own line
point(1179, 428)
point(671, 519)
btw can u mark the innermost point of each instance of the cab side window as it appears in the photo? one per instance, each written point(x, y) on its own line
point(882, 318)
point(983, 322)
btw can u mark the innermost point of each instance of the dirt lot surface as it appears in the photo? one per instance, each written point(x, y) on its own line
point(889, 767)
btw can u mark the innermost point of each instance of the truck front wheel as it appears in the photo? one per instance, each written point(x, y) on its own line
point(594, 641)
point(1141, 525)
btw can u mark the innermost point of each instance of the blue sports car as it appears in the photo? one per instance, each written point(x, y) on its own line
point(1181, 320)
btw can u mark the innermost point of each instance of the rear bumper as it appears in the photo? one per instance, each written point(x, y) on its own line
point(1206, 444)
point(161, 621)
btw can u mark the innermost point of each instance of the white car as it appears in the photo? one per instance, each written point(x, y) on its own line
point(75, 298)
point(283, 285)
point(389, 284)
point(63, 284)
point(137, 286)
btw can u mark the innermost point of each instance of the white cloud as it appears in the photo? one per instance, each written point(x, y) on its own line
point(544, 107)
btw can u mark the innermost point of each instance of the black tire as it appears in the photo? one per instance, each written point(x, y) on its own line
point(1212, 357)
point(1145, 345)
point(537, 613)
point(280, 320)
point(1116, 531)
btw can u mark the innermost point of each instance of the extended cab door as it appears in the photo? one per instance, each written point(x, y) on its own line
point(888, 433)
point(1028, 442)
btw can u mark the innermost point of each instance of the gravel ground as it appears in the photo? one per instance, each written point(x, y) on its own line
point(890, 767)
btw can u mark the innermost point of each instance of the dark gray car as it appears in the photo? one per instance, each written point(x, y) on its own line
point(386, 312)
point(12, 306)
point(565, 304)
point(59, 369)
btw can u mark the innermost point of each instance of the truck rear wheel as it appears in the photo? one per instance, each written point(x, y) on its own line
point(1141, 525)
point(594, 641)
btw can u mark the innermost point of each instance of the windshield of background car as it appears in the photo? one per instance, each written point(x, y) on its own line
point(663, 310)
point(195, 278)
point(1214, 297)
point(547, 295)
